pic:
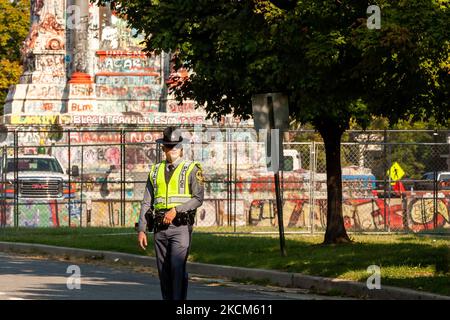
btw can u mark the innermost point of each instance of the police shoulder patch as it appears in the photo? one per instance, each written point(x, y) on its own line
point(199, 176)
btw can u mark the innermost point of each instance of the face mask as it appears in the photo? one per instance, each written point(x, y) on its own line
point(173, 154)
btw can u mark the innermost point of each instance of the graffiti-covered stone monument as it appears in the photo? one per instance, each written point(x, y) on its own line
point(83, 66)
point(85, 71)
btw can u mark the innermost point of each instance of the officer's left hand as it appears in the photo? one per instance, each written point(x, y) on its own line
point(169, 216)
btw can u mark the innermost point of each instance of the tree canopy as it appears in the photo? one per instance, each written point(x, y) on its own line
point(14, 26)
point(321, 53)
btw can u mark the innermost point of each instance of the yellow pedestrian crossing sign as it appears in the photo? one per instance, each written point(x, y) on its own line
point(395, 172)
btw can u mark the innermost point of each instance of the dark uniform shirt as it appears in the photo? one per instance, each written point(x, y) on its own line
point(195, 186)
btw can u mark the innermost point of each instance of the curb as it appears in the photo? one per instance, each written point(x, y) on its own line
point(283, 279)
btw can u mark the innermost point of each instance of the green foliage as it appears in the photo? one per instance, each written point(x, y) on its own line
point(10, 72)
point(14, 26)
point(321, 53)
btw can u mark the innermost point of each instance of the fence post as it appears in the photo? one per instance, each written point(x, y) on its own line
point(312, 169)
point(435, 179)
point(390, 188)
point(70, 176)
point(122, 177)
point(385, 170)
point(235, 183)
point(16, 180)
point(81, 187)
point(229, 175)
point(4, 184)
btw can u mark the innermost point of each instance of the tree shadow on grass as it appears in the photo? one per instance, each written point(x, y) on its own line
point(335, 260)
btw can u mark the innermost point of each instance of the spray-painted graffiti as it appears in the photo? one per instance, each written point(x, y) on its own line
point(106, 161)
point(136, 156)
point(53, 61)
point(41, 214)
point(133, 210)
point(120, 63)
point(44, 68)
point(30, 42)
point(27, 136)
point(415, 214)
point(42, 91)
point(40, 120)
point(211, 213)
point(108, 214)
point(55, 77)
point(147, 119)
point(141, 106)
point(151, 92)
point(81, 90)
point(94, 137)
point(137, 137)
point(81, 107)
point(88, 137)
point(95, 159)
point(115, 32)
point(105, 213)
point(56, 214)
point(51, 25)
point(186, 107)
point(47, 28)
point(223, 213)
point(112, 155)
point(109, 38)
point(131, 80)
point(43, 106)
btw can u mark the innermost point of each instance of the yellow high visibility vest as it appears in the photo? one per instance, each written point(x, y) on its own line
point(176, 192)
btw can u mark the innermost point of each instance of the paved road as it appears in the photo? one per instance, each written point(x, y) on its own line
point(29, 278)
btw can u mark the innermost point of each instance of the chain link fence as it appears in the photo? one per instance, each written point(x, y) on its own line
point(392, 180)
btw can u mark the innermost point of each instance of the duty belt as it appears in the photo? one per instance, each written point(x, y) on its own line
point(182, 218)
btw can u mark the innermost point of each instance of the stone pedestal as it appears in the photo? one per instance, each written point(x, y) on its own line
point(82, 96)
point(41, 89)
point(84, 67)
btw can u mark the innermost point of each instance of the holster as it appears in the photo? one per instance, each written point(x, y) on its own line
point(149, 217)
point(185, 218)
point(158, 222)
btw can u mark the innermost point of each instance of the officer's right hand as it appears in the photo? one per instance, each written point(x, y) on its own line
point(142, 239)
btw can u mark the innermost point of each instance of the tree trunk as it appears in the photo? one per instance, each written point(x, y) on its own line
point(335, 232)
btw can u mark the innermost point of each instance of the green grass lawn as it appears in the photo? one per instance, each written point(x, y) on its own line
point(410, 261)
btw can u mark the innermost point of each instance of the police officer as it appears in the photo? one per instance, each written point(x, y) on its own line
point(174, 191)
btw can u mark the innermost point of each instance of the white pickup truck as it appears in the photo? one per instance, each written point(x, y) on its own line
point(38, 177)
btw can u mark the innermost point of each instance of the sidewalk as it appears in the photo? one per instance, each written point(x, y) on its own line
point(283, 279)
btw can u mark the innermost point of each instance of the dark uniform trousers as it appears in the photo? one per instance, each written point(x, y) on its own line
point(172, 246)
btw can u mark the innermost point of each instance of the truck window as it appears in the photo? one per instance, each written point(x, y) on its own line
point(288, 163)
point(34, 164)
point(427, 176)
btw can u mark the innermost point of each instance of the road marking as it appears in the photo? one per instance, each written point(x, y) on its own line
point(9, 298)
